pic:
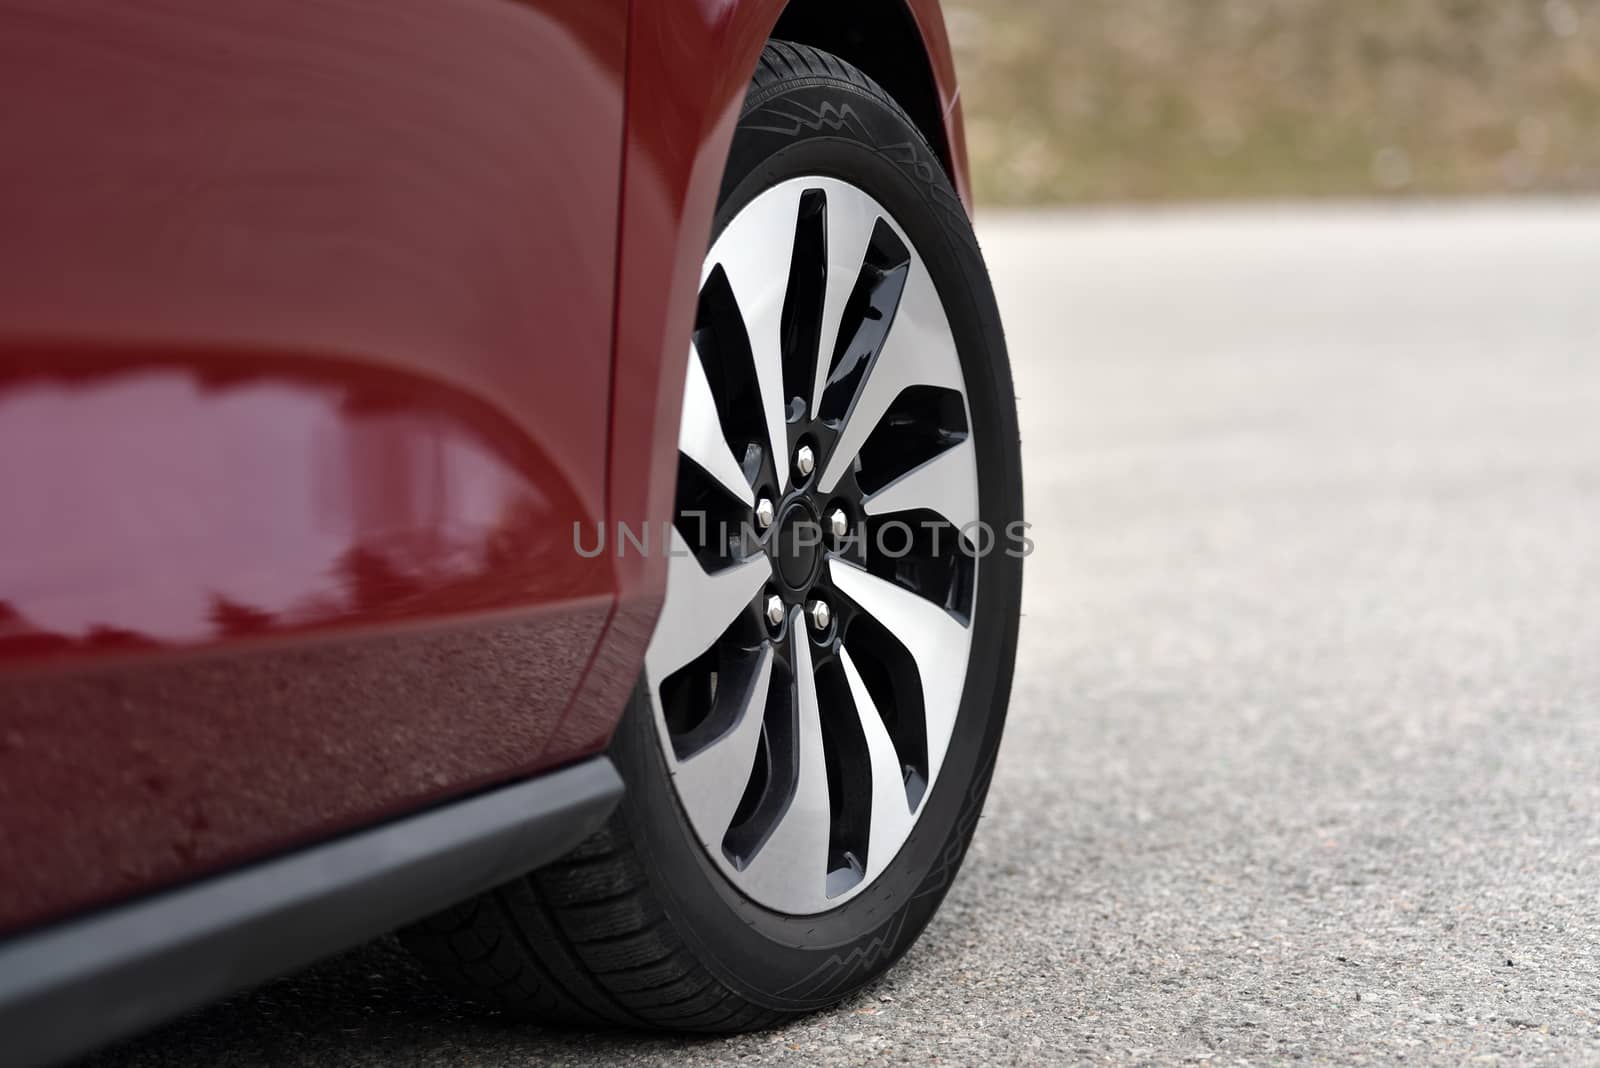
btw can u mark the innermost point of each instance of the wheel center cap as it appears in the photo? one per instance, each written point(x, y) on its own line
point(797, 546)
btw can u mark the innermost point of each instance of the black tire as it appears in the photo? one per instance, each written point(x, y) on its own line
point(637, 927)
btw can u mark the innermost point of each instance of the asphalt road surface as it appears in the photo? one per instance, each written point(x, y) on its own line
point(1304, 755)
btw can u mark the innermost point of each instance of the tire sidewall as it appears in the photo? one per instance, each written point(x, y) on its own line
point(831, 127)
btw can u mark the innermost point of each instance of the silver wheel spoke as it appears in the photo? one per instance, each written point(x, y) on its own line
point(891, 815)
point(699, 607)
point(946, 484)
point(919, 351)
point(755, 251)
point(935, 639)
point(794, 859)
point(700, 437)
point(851, 218)
point(711, 782)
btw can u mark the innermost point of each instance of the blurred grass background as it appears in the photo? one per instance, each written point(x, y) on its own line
point(1072, 101)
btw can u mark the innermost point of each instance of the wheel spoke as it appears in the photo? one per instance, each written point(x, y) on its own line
point(711, 782)
point(699, 607)
point(937, 641)
point(700, 437)
point(850, 223)
point(761, 237)
point(891, 814)
point(918, 351)
point(797, 850)
point(946, 484)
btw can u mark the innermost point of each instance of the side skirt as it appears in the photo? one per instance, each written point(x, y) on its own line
point(68, 988)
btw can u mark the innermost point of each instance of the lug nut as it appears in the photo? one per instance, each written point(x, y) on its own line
point(821, 615)
point(764, 513)
point(775, 610)
point(805, 461)
point(838, 523)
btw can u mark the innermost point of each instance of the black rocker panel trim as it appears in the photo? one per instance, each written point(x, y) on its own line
point(67, 989)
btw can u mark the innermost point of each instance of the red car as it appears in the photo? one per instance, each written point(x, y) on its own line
point(539, 473)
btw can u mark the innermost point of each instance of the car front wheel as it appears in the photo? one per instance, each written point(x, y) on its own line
point(809, 746)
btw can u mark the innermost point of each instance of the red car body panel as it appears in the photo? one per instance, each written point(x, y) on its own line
point(322, 330)
point(303, 335)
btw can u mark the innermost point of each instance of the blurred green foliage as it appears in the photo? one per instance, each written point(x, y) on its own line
point(1147, 100)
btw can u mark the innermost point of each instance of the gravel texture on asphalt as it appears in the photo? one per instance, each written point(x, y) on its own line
point(1303, 754)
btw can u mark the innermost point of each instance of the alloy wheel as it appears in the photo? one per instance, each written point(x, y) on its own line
point(810, 658)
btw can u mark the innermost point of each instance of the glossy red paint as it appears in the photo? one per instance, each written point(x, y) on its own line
point(146, 770)
point(327, 494)
point(681, 115)
point(304, 334)
point(315, 343)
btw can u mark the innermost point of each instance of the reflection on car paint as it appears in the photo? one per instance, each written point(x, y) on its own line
point(155, 502)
